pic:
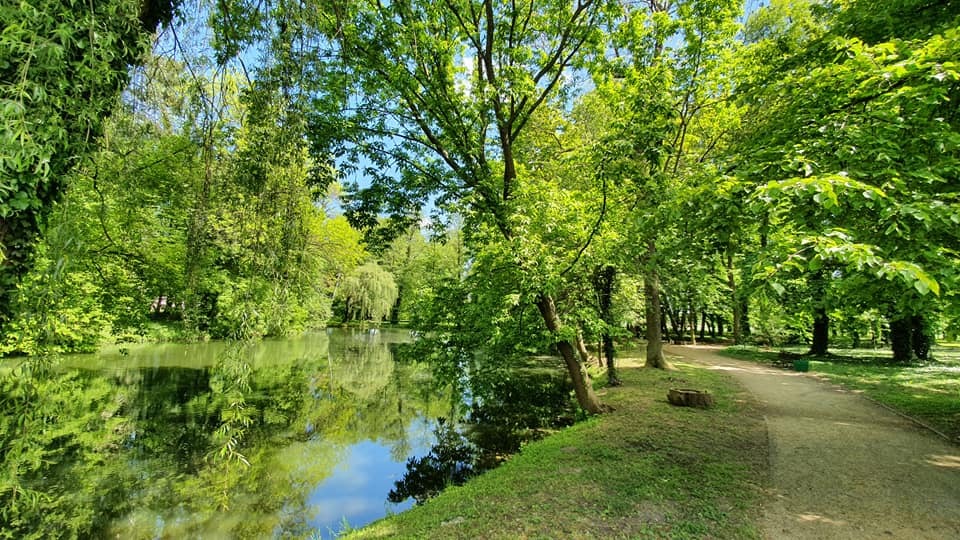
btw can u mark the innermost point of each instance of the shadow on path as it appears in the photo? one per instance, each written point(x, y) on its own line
point(842, 466)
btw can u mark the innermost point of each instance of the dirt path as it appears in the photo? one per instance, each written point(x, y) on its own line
point(842, 466)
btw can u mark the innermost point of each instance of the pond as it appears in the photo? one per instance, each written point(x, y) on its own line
point(286, 438)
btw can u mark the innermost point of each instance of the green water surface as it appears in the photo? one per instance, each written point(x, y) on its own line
point(282, 438)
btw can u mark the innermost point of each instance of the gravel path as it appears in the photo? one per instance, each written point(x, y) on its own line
point(842, 466)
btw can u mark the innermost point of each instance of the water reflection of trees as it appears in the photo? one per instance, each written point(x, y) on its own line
point(504, 412)
point(138, 453)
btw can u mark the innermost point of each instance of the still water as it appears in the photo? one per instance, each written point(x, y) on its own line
point(287, 438)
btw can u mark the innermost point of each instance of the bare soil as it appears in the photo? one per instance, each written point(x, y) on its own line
point(842, 466)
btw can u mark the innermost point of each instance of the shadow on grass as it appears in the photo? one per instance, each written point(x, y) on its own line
point(646, 470)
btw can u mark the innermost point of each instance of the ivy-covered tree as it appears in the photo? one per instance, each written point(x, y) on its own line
point(62, 67)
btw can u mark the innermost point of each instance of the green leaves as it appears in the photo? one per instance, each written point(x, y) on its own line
point(369, 292)
point(849, 155)
point(63, 67)
point(829, 192)
point(911, 274)
point(838, 249)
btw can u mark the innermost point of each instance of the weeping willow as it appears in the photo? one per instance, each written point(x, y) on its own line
point(369, 293)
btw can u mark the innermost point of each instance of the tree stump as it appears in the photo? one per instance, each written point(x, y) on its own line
point(685, 397)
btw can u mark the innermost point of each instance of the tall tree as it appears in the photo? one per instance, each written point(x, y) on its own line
point(62, 67)
point(853, 146)
point(663, 78)
point(435, 96)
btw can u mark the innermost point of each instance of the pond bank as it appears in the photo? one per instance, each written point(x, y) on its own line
point(648, 469)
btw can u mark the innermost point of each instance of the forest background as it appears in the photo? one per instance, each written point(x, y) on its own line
point(507, 178)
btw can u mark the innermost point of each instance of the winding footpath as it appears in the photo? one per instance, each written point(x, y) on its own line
point(842, 466)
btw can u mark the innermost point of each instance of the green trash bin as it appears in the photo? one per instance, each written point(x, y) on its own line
point(801, 365)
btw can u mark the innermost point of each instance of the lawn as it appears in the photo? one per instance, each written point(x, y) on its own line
point(645, 470)
point(928, 392)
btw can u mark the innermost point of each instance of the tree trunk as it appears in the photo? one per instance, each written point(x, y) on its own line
point(395, 310)
point(679, 325)
point(703, 325)
point(920, 337)
point(609, 352)
point(737, 314)
point(674, 317)
point(693, 326)
point(685, 397)
point(603, 279)
point(651, 293)
point(744, 316)
point(900, 342)
point(581, 380)
point(821, 332)
point(582, 349)
point(821, 321)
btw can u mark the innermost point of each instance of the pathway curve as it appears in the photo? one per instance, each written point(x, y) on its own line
point(842, 466)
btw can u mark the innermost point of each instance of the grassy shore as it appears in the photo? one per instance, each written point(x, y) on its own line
point(645, 470)
point(928, 392)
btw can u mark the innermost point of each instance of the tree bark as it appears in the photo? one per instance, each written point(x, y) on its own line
point(690, 398)
point(581, 380)
point(609, 353)
point(821, 321)
point(693, 326)
point(603, 279)
point(900, 339)
point(582, 350)
point(674, 317)
point(651, 293)
point(920, 338)
point(737, 314)
point(679, 326)
point(744, 316)
point(821, 332)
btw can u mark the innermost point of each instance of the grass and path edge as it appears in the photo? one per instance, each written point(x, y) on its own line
point(645, 470)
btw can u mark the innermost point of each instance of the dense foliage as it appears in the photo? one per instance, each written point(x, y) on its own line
point(515, 180)
point(591, 170)
point(62, 68)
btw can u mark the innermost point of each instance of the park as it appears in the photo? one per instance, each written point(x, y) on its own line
point(291, 268)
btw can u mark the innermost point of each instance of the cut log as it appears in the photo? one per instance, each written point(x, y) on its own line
point(685, 397)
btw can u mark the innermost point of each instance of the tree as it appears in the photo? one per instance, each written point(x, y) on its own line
point(857, 159)
point(192, 212)
point(369, 293)
point(603, 279)
point(63, 67)
point(436, 96)
point(401, 260)
point(665, 84)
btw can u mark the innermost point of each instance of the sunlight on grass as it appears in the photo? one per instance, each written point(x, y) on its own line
point(646, 470)
point(949, 462)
